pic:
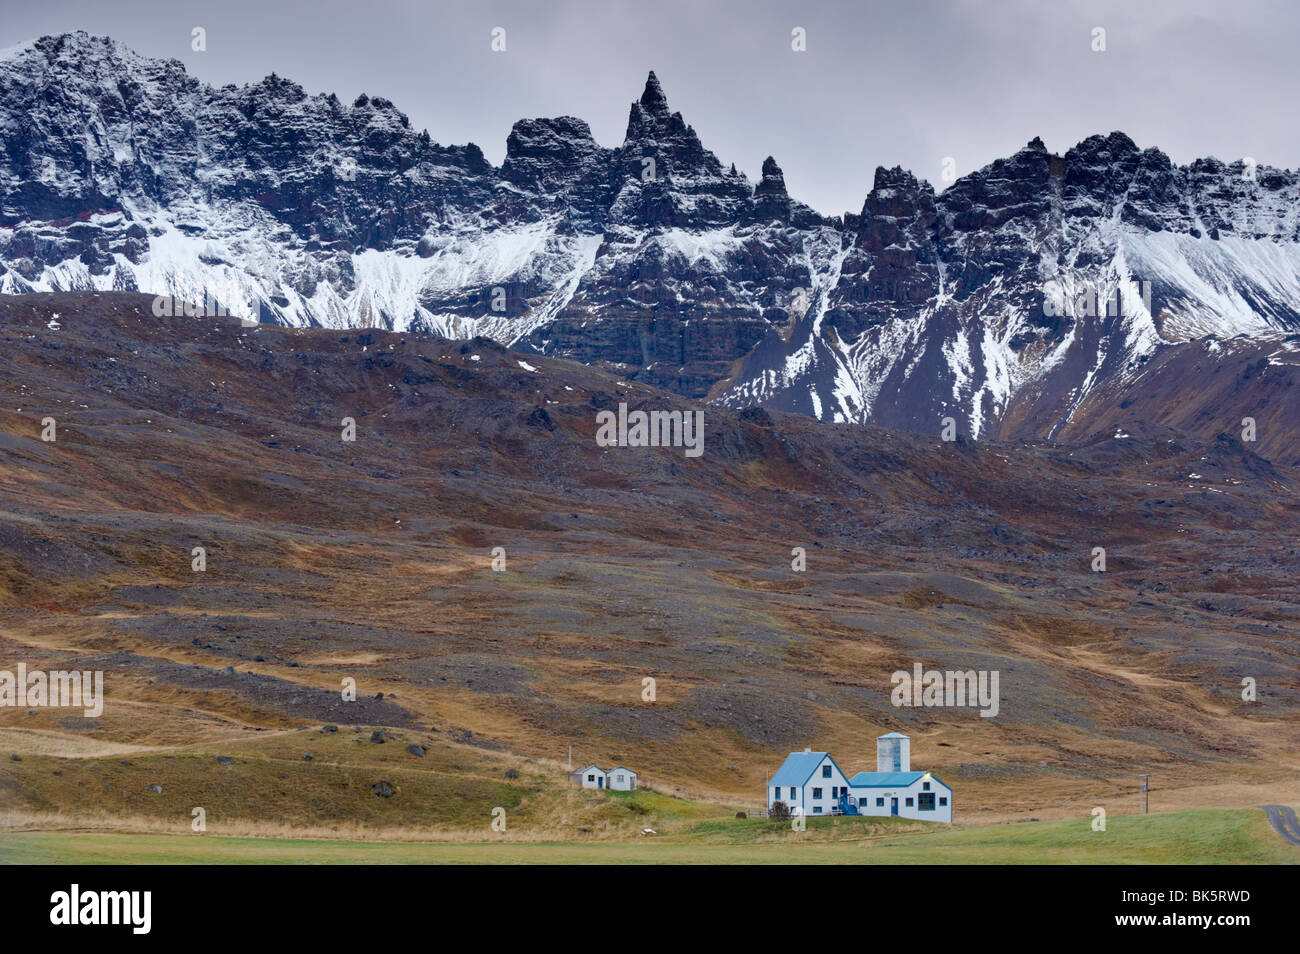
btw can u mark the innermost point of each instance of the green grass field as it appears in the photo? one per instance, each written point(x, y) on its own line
point(1201, 836)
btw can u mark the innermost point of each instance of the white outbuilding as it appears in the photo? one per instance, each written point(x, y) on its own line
point(620, 779)
point(617, 779)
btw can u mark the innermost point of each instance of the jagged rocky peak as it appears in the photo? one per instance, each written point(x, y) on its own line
point(562, 165)
point(1029, 168)
point(653, 98)
point(666, 178)
point(1018, 186)
point(93, 54)
point(895, 192)
point(275, 86)
point(650, 117)
point(773, 182)
point(653, 129)
point(898, 211)
point(771, 201)
point(561, 138)
point(1113, 146)
point(1027, 161)
point(542, 152)
point(1098, 173)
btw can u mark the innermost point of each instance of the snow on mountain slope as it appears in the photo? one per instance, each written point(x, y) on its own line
point(1005, 302)
point(1230, 286)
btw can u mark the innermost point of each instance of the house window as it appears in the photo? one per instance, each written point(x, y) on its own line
point(591, 778)
point(817, 793)
point(880, 803)
point(925, 802)
point(909, 803)
point(925, 786)
point(943, 799)
point(826, 771)
point(794, 792)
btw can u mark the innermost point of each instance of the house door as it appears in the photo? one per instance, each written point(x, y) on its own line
point(600, 783)
point(893, 806)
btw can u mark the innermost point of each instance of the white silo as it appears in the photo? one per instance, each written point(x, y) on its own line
point(893, 753)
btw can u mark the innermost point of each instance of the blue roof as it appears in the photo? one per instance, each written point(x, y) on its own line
point(797, 768)
point(886, 779)
point(892, 735)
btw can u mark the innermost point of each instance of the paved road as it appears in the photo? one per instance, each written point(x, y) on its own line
point(1284, 822)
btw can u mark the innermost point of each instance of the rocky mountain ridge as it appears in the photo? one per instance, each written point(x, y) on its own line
point(1006, 301)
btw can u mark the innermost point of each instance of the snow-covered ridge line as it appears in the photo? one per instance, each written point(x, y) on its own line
point(122, 172)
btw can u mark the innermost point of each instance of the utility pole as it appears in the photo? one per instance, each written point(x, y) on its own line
point(1144, 786)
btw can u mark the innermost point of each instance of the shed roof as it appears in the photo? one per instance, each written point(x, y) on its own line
point(892, 735)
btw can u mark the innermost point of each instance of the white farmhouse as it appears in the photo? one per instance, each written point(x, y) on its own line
point(620, 779)
point(813, 782)
point(810, 783)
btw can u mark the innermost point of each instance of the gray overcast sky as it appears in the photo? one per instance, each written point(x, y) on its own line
point(905, 82)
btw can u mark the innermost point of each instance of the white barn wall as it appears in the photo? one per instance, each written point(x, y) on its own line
point(941, 813)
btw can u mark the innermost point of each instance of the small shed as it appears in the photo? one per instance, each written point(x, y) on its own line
point(593, 776)
point(621, 779)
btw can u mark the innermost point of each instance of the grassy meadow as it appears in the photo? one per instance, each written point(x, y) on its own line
point(1196, 837)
